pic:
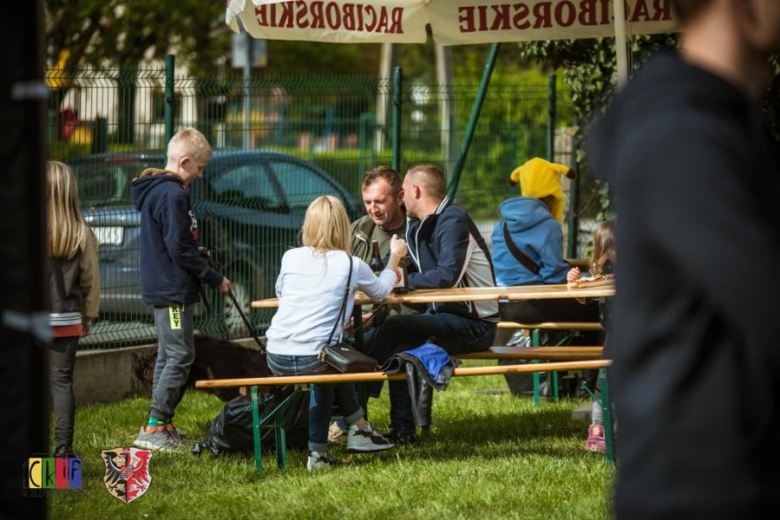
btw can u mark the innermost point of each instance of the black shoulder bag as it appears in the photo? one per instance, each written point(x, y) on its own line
point(342, 356)
point(519, 255)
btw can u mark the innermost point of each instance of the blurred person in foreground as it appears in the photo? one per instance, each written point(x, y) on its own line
point(696, 372)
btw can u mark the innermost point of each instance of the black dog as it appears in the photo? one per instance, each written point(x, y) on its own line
point(214, 359)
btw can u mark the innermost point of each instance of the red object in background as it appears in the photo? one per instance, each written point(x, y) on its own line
point(68, 122)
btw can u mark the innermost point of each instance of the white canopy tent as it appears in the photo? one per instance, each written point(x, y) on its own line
point(453, 22)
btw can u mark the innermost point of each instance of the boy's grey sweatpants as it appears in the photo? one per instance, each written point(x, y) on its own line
point(175, 355)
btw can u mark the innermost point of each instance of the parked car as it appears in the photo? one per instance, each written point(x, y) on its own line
point(250, 207)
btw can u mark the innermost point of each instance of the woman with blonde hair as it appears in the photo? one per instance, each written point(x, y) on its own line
point(75, 293)
point(311, 288)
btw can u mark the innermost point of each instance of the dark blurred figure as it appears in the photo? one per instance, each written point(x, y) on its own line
point(696, 175)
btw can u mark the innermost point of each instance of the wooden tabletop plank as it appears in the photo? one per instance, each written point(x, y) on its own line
point(528, 292)
point(381, 376)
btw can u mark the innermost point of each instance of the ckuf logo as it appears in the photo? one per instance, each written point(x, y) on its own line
point(127, 473)
point(44, 473)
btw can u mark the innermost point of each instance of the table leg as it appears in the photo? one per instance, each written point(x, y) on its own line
point(256, 432)
point(361, 388)
point(607, 411)
point(281, 445)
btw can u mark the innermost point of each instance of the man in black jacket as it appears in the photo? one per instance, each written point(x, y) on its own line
point(448, 251)
point(696, 374)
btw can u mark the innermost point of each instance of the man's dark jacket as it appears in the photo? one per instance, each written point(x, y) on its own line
point(171, 265)
point(449, 251)
point(696, 374)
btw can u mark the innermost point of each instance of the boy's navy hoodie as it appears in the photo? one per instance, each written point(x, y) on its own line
point(171, 265)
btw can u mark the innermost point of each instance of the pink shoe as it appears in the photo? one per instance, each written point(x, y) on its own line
point(596, 440)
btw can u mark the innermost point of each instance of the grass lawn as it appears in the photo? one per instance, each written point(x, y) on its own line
point(488, 455)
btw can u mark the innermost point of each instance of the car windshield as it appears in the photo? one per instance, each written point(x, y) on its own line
point(105, 183)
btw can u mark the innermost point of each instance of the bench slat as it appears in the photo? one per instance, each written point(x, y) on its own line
point(552, 325)
point(381, 376)
point(551, 353)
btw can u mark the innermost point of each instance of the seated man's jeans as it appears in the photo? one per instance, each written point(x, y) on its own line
point(455, 334)
point(321, 398)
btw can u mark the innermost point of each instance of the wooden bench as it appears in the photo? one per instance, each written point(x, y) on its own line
point(550, 325)
point(302, 383)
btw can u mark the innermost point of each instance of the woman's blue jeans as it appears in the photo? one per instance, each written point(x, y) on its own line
point(322, 396)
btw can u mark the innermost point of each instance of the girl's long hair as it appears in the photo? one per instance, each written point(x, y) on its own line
point(603, 246)
point(66, 226)
point(326, 226)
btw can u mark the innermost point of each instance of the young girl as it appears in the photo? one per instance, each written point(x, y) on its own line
point(75, 291)
point(311, 288)
point(602, 263)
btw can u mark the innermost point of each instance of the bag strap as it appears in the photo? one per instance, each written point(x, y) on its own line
point(343, 303)
point(519, 255)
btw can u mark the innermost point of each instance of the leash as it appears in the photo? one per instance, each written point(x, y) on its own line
point(246, 321)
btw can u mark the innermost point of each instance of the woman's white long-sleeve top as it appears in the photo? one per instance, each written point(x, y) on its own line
point(311, 288)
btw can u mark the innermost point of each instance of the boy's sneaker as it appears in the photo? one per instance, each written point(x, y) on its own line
point(157, 438)
point(174, 433)
point(596, 440)
point(337, 433)
point(401, 439)
point(319, 461)
point(362, 441)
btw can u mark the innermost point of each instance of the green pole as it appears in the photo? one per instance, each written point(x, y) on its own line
point(574, 201)
point(551, 101)
point(170, 62)
point(476, 108)
point(397, 102)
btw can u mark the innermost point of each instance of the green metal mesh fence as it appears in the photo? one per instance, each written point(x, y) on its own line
point(278, 144)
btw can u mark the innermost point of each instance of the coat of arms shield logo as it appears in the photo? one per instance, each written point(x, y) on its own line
point(127, 473)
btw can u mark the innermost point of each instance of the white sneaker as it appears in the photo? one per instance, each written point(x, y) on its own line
point(362, 441)
point(322, 460)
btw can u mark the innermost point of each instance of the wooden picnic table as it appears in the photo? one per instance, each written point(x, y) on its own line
point(527, 292)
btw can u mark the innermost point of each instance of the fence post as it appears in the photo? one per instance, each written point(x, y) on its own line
point(100, 135)
point(574, 200)
point(170, 108)
point(551, 101)
point(476, 108)
point(397, 103)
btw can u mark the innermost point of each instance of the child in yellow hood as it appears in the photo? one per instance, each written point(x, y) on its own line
point(540, 179)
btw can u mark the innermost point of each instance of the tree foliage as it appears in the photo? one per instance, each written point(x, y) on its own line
point(123, 33)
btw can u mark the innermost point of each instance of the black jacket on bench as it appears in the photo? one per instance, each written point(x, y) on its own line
point(696, 374)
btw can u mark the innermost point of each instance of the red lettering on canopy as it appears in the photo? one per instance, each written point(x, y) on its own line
point(301, 18)
point(396, 17)
point(587, 14)
point(349, 17)
point(501, 20)
point(360, 17)
point(565, 20)
point(542, 13)
point(640, 10)
point(316, 16)
point(382, 25)
point(333, 15)
point(371, 26)
point(286, 19)
point(482, 17)
point(661, 8)
point(262, 21)
point(519, 19)
point(466, 18)
point(605, 19)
